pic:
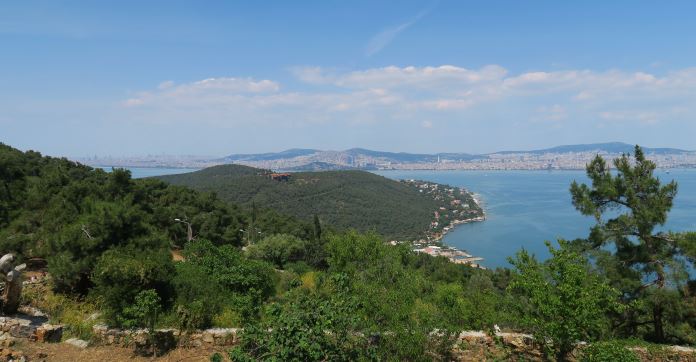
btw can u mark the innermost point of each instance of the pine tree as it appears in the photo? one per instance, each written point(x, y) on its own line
point(629, 206)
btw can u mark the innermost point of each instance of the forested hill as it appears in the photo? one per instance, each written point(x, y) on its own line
point(342, 199)
point(71, 214)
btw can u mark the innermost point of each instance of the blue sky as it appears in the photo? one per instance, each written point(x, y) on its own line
point(214, 78)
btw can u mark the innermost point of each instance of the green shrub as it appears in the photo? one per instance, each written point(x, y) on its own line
point(608, 351)
point(194, 315)
point(278, 249)
point(307, 327)
point(198, 296)
point(121, 274)
point(145, 310)
point(227, 317)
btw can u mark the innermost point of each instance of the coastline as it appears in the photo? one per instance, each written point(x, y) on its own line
point(435, 247)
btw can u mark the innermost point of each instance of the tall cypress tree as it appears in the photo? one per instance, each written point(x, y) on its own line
point(317, 228)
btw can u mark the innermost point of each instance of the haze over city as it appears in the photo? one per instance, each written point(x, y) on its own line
point(85, 79)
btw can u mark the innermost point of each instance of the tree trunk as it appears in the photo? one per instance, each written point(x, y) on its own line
point(657, 324)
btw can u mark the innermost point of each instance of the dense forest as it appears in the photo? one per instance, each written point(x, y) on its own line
point(303, 292)
point(343, 199)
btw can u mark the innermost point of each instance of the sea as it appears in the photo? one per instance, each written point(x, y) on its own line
point(526, 208)
point(523, 208)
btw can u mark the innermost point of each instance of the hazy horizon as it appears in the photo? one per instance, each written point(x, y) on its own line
point(81, 79)
point(342, 150)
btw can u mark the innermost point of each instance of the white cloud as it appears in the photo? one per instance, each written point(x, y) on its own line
point(641, 117)
point(554, 113)
point(392, 76)
point(429, 92)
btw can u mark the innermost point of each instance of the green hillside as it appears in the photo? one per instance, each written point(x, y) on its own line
point(70, 214)
point(343, 199)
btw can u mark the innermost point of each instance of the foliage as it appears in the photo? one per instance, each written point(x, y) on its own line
point(646, 264)
point(278, 249)
point(144, 311)
point(122, 274)
point(565, 301)
point(71, 214)
point(307, 328)
point(344, 199)
point(198, 296)
point(243, 282)
point(608, 351)
point(395, 296)
point(78, 317)
point(109, 240)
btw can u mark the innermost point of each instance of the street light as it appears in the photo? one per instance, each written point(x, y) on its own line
point(247, 238)
point(189, 230)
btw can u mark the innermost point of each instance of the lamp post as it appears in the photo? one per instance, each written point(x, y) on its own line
point(247, 238)
point(249, 234)
point(189, 230)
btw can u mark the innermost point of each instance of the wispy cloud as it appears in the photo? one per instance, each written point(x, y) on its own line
point(434, 93)
point(386, 36)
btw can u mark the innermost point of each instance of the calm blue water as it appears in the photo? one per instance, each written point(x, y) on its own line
point(525, 208)
point(140, 172)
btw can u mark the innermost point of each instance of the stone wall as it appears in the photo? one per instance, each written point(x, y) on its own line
point(34, 329)
point(469, 345)
point(165, 339)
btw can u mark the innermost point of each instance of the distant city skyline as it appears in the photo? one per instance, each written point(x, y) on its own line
point(564, 157)
point(80, 79)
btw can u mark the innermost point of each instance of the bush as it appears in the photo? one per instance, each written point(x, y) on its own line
point(278, 249)
point(145, 310)
point(120, 274)
point(77, 316)
point(608, 351)
point(242, 284)
point(228, 317)
point(565, 300)
point(198, 296)
point(307, 327)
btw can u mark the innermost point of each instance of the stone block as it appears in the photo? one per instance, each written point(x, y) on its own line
point(49, 333)
point(164, 342)
point(208, 338)
point(22, 331)
point(77, 343)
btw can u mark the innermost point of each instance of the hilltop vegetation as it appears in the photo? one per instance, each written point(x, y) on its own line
point(72, 214)
point(305, 294)
point(342, 199)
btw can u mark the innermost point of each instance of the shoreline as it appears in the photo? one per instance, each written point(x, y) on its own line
point(435, 247)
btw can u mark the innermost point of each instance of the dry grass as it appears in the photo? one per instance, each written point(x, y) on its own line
point(64, 352)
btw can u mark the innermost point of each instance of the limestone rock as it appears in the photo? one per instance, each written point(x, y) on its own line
point(7, 341)
point(7, 354)
point(22, 331)
point(79, 343)
point(164, 342)
point(476, 337)
point(49, 333)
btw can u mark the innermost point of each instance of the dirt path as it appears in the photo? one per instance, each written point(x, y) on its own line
point(64, 352)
